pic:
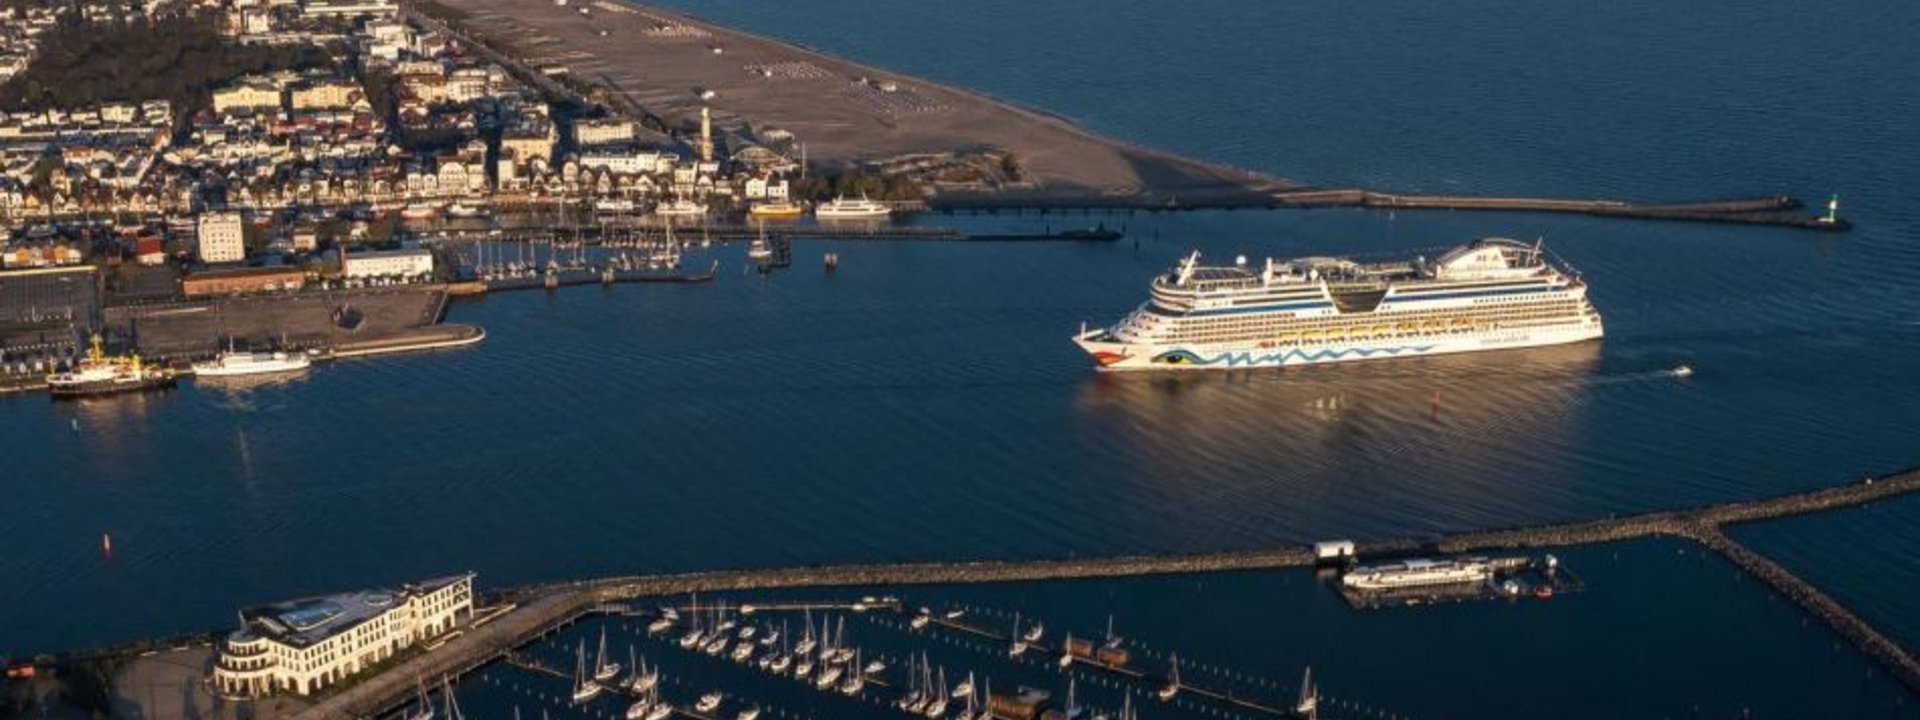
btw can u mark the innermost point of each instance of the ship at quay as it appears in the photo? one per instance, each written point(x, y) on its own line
point(1489, 294)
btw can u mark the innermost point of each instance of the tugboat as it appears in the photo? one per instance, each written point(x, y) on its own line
point(103, 374)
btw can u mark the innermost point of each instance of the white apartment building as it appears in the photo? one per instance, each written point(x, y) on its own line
point(386, 263)
point(301, 646)
point(221, 237)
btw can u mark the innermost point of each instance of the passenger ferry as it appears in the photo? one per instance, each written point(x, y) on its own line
point(248, 363)
point(1417, 573)
point(1490, 294)
point(843, 208)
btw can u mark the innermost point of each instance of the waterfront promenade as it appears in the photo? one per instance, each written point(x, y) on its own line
point(541, 608)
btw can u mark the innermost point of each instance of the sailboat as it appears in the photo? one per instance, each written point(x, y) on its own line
point(1073, 708)
point(604, 671)
point(453, 704)
point(659, 710)
point(424, 709)
point(1019, 646)
point(805, 646)
point(694, 637)
point(915, 699)
point(1066, 652)
point(645, 680)
point(709, 702)
point(938, 706)
point(584, 689)
point(841, 653)
point(1173, 681)
point(829, 674)
point(856, 681)
point(1035, 633)
point(964, 688)
point(1308, 706)
point(783, 660)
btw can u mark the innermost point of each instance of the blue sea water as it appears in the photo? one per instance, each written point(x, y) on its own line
point(923, 402)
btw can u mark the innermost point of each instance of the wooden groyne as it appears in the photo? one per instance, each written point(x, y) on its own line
point(544, 607)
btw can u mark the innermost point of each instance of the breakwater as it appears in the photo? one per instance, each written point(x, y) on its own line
point(1777, 210)
point(540, 608)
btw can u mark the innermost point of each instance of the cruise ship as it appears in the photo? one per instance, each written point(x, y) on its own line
point(231, 363)
point(841, 207)
point(1490, 294)
point(1417, 573)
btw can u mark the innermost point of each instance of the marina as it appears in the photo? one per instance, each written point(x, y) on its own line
point(548, 607)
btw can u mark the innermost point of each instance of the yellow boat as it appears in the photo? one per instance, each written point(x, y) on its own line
point(776, 209)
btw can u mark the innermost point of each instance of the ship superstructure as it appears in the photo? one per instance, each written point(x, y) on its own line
point(1490, 294)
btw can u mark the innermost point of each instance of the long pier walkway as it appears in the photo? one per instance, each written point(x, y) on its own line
point(545, 607)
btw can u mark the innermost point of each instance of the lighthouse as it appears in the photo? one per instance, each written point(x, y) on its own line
point(706, 135)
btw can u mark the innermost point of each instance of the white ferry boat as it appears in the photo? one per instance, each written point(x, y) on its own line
point(1490, 294)
point(230, 363)
point(680, 208)
point(841, 207)
point(1417, 573)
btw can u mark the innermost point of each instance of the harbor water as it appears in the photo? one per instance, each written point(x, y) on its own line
point(923, 401)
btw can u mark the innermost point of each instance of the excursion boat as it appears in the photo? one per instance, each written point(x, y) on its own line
point(1490, 294)
point(680, 207)
point(613, 205)
point(230, 363)
point(102, 374)
point(776, 209)
point(843, 208)
point(463, 210)
point(1417, 573)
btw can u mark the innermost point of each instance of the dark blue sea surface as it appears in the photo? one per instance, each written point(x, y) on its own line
point(924, 402)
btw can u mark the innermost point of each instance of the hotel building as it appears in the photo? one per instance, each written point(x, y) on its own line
point(301, 646)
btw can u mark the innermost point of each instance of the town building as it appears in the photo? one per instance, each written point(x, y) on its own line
point(302, 646)
point(221, 237)
point(234, 281)
point(386, 263)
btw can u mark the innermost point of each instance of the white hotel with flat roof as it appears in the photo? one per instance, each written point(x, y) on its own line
point(300, 646)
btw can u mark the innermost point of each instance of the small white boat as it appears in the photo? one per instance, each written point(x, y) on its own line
point(746, 633)
point(659, 625)
point(1682, 371)
point(709, 702)
point(955, 614)
point(420, 211)
point(919, 622)
point(613, 205)
point(803, 667)
point(716, 646)
point(1034, 633)
point(743, 652)
point(231, 364)
point(638, 710)
point(780, 664)
point(660, 710)
point(752, 713)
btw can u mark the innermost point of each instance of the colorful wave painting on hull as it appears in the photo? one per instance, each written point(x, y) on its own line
point(1294, 355)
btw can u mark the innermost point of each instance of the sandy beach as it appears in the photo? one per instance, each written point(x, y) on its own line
point(843, 111)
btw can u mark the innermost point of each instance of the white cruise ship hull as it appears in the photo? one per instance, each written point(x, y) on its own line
point(1113, 356)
